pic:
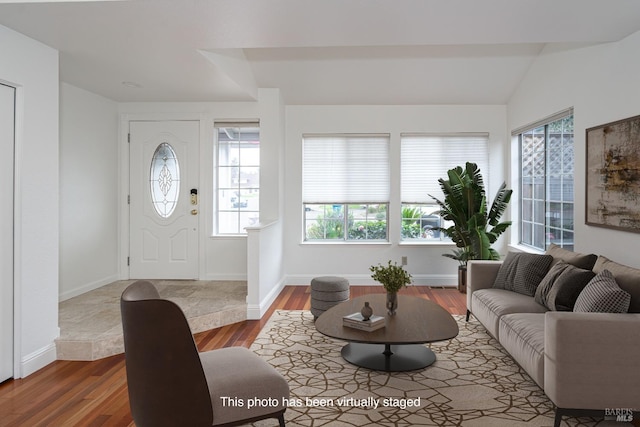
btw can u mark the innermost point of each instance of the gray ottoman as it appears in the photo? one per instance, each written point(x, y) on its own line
point(327, 291)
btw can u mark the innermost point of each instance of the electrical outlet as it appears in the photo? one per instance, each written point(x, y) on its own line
point(404, 260)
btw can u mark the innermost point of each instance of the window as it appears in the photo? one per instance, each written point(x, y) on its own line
point(238, 177)
point(425, 159)
point(546, 183)
point(164, 180)
point(345, 182)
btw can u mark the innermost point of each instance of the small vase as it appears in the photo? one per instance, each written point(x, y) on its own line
point(366, 311)
point(392, 303)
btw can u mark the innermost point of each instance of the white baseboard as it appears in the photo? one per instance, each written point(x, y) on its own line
point(226, 277)
point(256, 311)
point(88, 287)
point(37, 360)
point(444, 280)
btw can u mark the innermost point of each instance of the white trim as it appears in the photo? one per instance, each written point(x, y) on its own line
point(87, 287)
point(123, 192)
point(226, 277)
point(527, 249)
point(205, 181)
point(38, 359)
point(18, 371)
point(256, 311)
point(544, 121)
point(444, 280)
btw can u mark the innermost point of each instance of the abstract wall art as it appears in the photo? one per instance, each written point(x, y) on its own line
point(613, 175)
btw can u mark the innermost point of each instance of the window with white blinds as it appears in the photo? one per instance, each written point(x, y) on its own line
point(345, 168)
point(345, 194)
point(425, 158)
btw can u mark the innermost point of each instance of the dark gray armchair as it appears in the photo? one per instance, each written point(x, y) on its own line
point(171, 384)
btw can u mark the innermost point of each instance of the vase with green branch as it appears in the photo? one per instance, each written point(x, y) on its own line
point(393, 278)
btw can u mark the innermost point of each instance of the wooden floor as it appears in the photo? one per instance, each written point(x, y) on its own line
point(68, 393)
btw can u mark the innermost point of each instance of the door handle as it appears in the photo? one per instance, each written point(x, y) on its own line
point(194, 211)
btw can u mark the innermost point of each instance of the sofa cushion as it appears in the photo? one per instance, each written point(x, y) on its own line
point(522, 335)
point(560, 288)
point(628, 278)
point(522, 272)
point(585, 261)
point(491, 304)
point(603, 295)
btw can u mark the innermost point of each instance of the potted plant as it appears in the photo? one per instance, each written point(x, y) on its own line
point(475, 228)
point(393, 277)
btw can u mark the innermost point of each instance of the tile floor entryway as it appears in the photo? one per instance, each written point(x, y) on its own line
point(91, 328)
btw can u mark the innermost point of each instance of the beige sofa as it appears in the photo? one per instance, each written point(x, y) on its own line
point(587, 363)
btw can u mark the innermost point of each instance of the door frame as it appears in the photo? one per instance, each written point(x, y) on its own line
point(18, 141)
point(205, 184)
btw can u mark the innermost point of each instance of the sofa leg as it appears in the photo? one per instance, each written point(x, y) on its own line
point(468, 314)
point(558, 418)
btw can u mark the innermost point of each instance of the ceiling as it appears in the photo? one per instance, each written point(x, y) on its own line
point(315, 51)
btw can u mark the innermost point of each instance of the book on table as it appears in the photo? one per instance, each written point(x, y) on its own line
point(356, 321)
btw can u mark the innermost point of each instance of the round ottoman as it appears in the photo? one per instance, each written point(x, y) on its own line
point(327, 291)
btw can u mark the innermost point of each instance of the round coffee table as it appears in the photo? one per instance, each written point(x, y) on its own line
point(397, 346)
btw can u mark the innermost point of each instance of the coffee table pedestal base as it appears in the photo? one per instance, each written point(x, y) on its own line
point(389, 358)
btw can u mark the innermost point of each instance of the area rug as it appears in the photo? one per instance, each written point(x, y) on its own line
point(473, 382)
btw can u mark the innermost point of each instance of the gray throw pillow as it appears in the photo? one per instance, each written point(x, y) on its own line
point(603, 295)
point(562, 285)
point(585, 261)
point(543, 289)
point(628, 278)
point(522, 272)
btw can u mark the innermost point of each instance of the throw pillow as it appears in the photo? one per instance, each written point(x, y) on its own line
point(628, 278)
point(585, 261)
point(603, 295)
point(522, 272)
point(560, 288)
point(543, 289)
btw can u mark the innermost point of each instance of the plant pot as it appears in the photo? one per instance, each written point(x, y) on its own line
point(462, 278)
point(392, 303)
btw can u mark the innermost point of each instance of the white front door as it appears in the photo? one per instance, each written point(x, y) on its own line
point(7, 144)
point(163, 205)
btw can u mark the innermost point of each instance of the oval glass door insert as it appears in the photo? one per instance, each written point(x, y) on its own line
point(164, 180)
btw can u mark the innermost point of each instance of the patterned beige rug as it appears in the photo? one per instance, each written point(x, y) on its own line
point(472, 383)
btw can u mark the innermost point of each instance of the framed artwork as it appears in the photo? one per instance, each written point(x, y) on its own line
point(613, 175)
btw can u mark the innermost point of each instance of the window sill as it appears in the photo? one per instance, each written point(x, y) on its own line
point(526, 249)
point(228, 236)
point(348, 243)
point(426, 243)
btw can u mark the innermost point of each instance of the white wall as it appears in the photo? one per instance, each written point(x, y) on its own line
point(88, 191)
point(303, 261)
point(601, 83)
point(33, 68)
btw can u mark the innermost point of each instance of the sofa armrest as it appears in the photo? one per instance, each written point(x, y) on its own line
point(480, 275)
point(592, 360)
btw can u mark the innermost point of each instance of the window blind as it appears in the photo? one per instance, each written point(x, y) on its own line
point(427, 158)
point(345, 168)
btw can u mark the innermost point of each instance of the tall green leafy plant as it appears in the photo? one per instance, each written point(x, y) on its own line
point(475, 228)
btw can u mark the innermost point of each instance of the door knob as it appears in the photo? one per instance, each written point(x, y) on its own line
point(194, 211)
